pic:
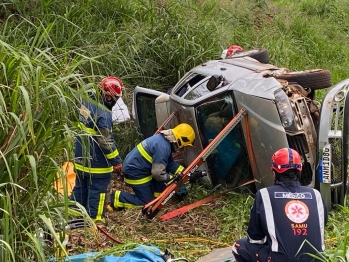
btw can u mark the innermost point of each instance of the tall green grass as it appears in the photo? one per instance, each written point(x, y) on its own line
point(37, 108)
point(51, 50)
point(337, 237)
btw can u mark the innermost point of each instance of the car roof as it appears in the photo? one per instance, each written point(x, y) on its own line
point(243, 74)
point(233, 68)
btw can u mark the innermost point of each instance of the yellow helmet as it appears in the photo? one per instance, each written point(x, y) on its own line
point(184, 135)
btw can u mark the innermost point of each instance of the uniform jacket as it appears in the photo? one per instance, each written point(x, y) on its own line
point(286, 214)
point(139, 163)
point(95, 149)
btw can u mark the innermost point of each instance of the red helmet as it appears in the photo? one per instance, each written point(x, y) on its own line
point(232, 49)
point(284, 159)
point(112, 86)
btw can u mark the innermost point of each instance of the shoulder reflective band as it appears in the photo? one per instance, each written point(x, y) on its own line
point(144, 153)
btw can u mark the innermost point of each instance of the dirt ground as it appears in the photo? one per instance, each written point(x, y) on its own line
point(180, 234)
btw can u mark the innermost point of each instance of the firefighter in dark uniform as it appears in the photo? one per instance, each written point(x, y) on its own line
point(96, 155)
point(150, 165)
point(286, 219)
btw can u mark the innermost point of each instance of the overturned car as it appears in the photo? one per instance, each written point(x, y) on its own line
point(281, 111)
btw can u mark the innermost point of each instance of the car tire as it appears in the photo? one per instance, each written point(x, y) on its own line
point(313, 79)
point(260, 54)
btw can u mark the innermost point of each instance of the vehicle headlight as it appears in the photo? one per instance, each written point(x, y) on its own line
point(284, 107)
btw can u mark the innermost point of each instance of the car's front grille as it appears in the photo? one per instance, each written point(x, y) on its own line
point(336, 160)
point(299, 143)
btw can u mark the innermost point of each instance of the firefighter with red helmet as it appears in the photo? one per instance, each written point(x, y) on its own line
point(96, 155)
point(150, 165)
point(287, 221)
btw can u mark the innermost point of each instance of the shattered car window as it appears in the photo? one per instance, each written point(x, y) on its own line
point(191, 81)
point(229, 162)
point(198, 90)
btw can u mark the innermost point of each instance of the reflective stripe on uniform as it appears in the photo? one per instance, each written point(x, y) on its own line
point(87, 129)
point(179, 169)
point(93, 170)
point(270, 219)
point(156, 194)
point(117, 202)
point(138, 181)
point(320, 208)
point(260, 242)
point(144, 153)
point(113, 154)
point(100, 208)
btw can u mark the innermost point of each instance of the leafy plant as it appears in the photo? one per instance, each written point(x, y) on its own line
point(37, 109)
point(50, 52)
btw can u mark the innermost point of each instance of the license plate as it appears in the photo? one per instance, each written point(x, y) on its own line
point(325, 164)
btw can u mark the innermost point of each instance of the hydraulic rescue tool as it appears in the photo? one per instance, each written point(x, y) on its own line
point(152, 208)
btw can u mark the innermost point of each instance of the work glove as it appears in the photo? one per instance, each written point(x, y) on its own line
point(182, 191)
point(174, 178)
point(117, 168)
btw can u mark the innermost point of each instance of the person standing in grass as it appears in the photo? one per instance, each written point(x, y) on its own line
point(287, 220)
point(96, 155)
point(149, 166)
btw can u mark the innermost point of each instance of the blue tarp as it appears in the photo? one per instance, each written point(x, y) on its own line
point(141, 253)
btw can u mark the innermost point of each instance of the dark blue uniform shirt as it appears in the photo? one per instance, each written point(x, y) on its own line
point(138, 163)
point(286, 214)
point(95, 150)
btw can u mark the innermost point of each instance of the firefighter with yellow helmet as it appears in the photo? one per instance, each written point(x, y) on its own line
point(150, 165)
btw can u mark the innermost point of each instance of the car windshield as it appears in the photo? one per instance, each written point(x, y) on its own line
point(198, 90)
point(193, 87)
point(229, 163)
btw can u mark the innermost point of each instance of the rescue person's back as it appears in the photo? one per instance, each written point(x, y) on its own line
point(284, 217)
point(149, 166)
point(155, 146)
point(291, 214)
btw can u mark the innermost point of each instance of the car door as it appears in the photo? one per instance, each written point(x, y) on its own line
point(229, 163)
point(144, 111)
point(333, 146)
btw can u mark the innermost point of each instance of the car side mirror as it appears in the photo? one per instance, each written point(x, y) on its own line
point(213, 82)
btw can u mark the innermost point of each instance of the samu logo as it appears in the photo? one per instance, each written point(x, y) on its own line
point(297, 211)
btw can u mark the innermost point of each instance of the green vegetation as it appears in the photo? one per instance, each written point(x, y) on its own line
point(51, 53)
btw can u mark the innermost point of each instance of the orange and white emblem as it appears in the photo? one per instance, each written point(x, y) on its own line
point(297, 211)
